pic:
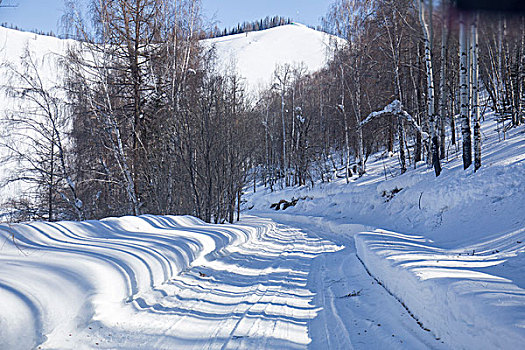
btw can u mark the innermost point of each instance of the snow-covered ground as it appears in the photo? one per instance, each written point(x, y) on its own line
point(451, 249)
point(175, 283)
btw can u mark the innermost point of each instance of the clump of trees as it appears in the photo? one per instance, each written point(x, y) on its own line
point(246, 27)
point(153, 126)
point(156, 127)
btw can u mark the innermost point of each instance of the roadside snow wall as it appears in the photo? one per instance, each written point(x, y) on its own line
point(455, 295)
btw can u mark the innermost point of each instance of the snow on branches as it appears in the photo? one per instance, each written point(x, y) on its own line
point(394, 108)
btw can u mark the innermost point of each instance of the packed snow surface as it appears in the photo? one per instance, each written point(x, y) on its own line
point(154, 282)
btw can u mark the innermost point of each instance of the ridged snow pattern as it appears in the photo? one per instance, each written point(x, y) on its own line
point(155, 282)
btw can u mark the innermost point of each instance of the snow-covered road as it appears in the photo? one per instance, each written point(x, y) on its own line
point(288, 289)
point(355, 312)
point(175, 283)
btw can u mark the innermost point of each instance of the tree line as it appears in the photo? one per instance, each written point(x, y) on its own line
point(253, 26)
point(144, 122)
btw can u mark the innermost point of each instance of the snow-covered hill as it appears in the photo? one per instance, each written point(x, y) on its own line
point(255, 55)
point(45, 53)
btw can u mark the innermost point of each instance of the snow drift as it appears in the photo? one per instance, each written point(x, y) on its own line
point(59, 280)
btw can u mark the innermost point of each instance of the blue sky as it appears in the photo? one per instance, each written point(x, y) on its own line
point(231, 12)
point(44, 15)
point(33, 14)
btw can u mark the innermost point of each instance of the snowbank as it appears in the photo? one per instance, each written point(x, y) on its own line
point(458, 297)
point(57, 278)
point(463, 276)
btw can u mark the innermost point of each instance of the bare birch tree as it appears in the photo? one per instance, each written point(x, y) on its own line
point(464, 92)
point(475, 92)
point(430, 89)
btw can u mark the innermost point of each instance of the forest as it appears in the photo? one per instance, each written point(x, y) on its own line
point(145, 122)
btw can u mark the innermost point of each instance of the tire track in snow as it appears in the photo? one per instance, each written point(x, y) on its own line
point(256, 292)
point(332, 330)
point(372, 319)
point(232, 336)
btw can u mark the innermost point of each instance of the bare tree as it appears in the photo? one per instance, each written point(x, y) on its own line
point(430, 88)
point(283, 75)
point(38, 139)
point(475, 92)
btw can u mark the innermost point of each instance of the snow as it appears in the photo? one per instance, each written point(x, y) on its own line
point(255, 55)
point(46, 52)
point(70, 283)
point(178, 283)
point(388, 261)
point(451, 249)
point(394, 108)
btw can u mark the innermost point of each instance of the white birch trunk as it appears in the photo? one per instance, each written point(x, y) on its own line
point(442, 100)
point(475, 93)
point(360, 147)
point(283, 90)
point(345, 122)
point(521, 67)
point(499, 81)
point(464, 98)
point(101, 72)
point(430, 90)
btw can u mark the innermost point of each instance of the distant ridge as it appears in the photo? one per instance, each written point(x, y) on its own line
point(255, 55)
point(252, 26)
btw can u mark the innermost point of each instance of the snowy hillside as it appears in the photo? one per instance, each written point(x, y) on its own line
point(255, 55)
point(451, 249)
point(44, 52)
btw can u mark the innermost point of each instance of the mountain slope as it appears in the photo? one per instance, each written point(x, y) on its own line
point(255, 55)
